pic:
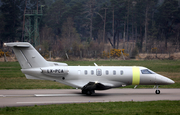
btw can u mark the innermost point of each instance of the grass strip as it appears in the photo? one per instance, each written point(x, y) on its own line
point(109, 108)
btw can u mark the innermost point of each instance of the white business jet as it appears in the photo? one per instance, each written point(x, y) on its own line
point(88, 78)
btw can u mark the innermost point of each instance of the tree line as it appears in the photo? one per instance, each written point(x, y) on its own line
point(72, 26)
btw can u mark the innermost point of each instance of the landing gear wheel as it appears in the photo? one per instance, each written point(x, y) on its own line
point(157, 91)
point(88, 92)
point(84, 92)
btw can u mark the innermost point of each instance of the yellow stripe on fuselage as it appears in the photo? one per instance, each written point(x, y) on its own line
point(136, 76)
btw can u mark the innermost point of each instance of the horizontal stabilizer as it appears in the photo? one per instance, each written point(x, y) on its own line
point(23, 45)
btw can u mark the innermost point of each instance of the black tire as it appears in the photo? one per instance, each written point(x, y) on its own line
point(88, 92)
point(84, 91)
point(157, 91)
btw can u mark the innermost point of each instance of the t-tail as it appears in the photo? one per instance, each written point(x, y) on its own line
point(27, 55)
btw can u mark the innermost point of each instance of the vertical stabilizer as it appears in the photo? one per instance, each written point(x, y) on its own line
point(27, 55)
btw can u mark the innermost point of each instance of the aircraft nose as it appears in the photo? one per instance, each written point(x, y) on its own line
point(161, 80)
point(169, 81)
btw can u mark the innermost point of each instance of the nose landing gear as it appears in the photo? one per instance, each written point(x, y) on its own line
point(157, 90)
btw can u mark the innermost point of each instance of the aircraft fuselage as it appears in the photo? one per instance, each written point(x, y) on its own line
point(113, 76)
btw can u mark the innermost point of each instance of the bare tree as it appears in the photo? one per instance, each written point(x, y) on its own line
point(69, 35)
point(23, 21)
point(89, 12)
point(104, 21)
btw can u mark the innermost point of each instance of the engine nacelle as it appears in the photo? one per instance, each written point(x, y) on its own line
point(55, 71)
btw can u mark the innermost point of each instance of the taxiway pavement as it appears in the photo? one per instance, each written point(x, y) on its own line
point(60, 96)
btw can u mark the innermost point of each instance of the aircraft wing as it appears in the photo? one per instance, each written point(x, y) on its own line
point(90, 87)
point(101, 85)
point(95, 86)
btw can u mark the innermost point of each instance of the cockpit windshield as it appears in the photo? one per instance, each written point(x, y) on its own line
point(147, 71)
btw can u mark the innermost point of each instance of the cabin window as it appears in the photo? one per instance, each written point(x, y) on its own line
point(146, 71)
point(107, 72)
point(92, 72)
point(85, 72)
point(114, 72)
point(98, 72)
point(121, 72)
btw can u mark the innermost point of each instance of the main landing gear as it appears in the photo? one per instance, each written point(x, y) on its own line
point(88, 92)
point(90, 88)
point(157, 90)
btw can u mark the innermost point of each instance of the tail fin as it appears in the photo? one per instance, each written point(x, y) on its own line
point(27, 55)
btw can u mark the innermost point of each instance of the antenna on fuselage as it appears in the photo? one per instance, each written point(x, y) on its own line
point(95, 64)
point(135, 86)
